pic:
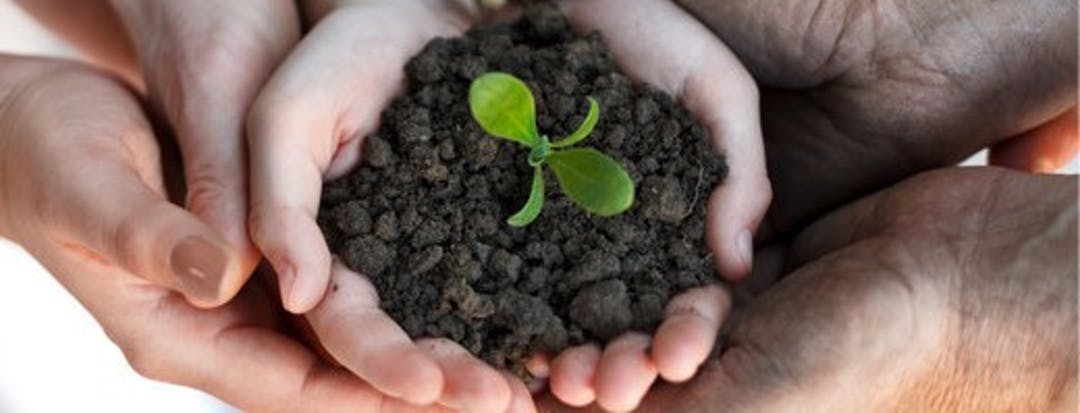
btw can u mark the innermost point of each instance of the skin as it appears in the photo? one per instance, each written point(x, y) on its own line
point(201, 64)
point(879, 91)
point(333, 122)
point(81, 170)
point(955, 290)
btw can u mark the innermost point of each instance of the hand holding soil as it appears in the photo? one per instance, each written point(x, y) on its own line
point(344, 321)
point(902, 300)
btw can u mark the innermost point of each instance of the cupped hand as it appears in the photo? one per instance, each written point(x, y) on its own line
point(314, 132)
point(955, 290)
point(860, 94)
point(307, 125)
point(659, 44)
point(82, 190)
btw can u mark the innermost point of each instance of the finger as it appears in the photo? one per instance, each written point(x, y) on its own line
point(688, 333)
point(1043, 150)
point(520, 398)
point(539, 367)
point(625, 373)
point(572, 375)
point(109, 208)
point(366, 341)
point(236, 359)
point(470, 385)
point(686, 59)
point(296, 130)
point(286, 178)
point(209, 126)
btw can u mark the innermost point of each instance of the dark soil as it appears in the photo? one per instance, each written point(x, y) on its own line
point(424, 215)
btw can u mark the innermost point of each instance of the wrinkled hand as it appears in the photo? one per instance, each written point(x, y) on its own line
point(956, 290)
point(860, 94)
point(203, 63)
point(82, 190)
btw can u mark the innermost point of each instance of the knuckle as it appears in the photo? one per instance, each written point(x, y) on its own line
point(206, 190)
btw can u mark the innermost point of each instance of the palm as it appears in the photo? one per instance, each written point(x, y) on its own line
point(887, 305)
point(871, 92)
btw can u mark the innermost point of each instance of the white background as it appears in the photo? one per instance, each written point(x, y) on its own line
point(58, 359)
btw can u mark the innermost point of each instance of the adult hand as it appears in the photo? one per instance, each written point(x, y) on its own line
point(860, 94)
point(956, 290)
point(202, 63)
point(82, 190)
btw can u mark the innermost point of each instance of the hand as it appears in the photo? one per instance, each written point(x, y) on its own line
point(336, 118)
point(659, 44)
point(203, 62)
point(307, 125)
point(860, 94)
point(83, 191)
point(955, 290)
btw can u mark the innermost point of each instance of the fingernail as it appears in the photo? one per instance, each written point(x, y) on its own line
point(745, 244)
point(199, 267)
point(287, 279)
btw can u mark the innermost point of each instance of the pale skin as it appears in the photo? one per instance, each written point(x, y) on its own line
point(335, 122)
point(955, 290)
point(83, 191)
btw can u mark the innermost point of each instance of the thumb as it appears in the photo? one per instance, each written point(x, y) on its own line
point(111, 212)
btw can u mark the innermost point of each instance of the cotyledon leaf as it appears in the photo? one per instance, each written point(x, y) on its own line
point(593, 180)
point(503, 105)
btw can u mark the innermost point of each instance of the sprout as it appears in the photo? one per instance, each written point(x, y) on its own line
point(503, 105)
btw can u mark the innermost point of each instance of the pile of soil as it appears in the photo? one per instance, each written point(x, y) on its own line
point(424, 215)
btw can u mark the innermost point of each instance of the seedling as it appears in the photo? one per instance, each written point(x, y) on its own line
point(503, 105)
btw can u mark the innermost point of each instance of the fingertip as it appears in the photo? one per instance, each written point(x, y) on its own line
point(307, 290)
point(206, 270)
point(677, 350)
point(686, 337)
point(539, 365)
point(421, 378)
point(295, 247)
point(521, 399)
point(573, 373)
point(469, 383)
point(734, 212)
point(625, 373)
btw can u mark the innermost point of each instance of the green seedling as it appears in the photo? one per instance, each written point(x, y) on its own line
point(503, 105)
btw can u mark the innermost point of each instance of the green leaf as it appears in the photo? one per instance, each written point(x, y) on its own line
point(586, 127)
point(592, 179)
point(503, 105)
point(531, 210)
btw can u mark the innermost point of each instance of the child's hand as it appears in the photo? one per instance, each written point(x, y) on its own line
point(306, 126)
point(658, 43)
